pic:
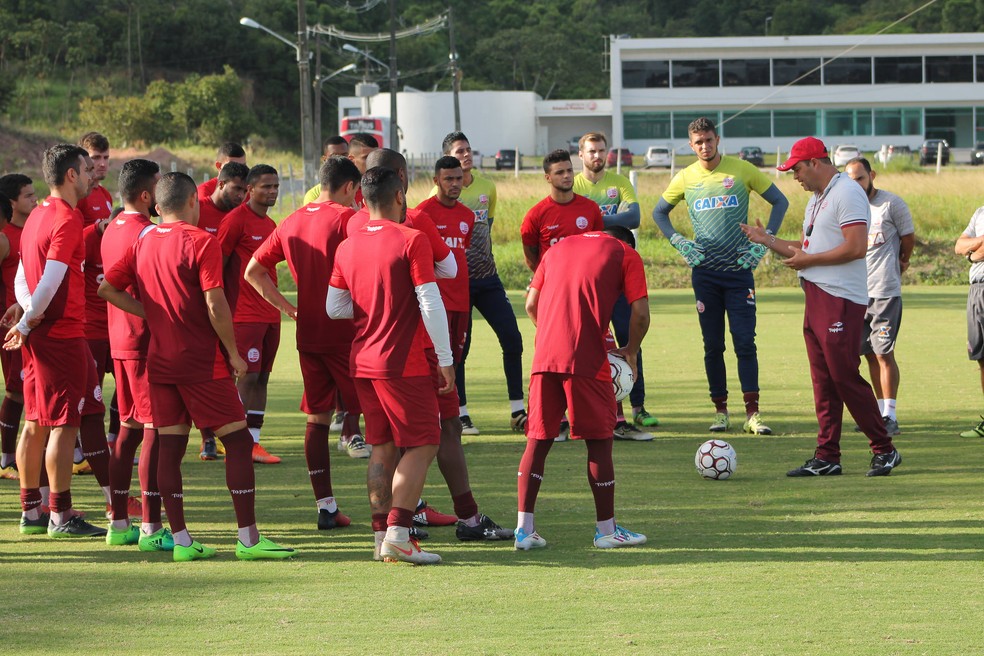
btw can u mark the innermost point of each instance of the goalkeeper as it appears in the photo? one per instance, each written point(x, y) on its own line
point(716, 189)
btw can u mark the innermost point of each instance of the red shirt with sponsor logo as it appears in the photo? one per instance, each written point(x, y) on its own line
point(209, 215)
point(172, 267)
point(128, 334)
point(96, 317)
point(54, 232)
point(454, 224)
point(380, 264)
point(98, 205)
point(8, 268)
point(416, 219)
point(308, 239)
point(207, 188)
point(579, 281)
point(548, 221)
point(241, 233)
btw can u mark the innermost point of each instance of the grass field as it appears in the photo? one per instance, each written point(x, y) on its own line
point(759, 564)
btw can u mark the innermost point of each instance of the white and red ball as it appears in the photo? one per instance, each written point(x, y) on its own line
point(716, 459)
point(622, 378)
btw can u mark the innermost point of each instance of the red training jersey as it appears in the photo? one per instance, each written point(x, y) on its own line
point(128, 334)
point(308, 239)
point(206, 189)
point(454, 224)
point(98, 205)
point(209, 215)
point(548, 221)
point(96, 321)
point(54, 232)
point(579, 281)
point(241, 233)
point(416, 219)
point(8, 268)
point(381, 264)
point(173, 266)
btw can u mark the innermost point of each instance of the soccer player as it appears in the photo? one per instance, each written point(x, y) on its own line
point(570, 302)
point(98, 204)
point(177, 270)
point(61, 374)
point(383, 278)
point(970, 244)
point(230, 192)
point(20, 190)
point(257, 323)
point(619, 206)
point(228, 152)
point(829, 261)
point(335, 146)
point(128, 340)
point(308, 239)
point(485, 290)
point(716, 189)
point(891, 238)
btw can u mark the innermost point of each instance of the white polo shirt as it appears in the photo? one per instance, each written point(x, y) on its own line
point(976, 229)
point(843, 203)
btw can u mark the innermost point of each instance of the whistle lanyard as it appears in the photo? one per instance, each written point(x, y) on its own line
point(818, 202)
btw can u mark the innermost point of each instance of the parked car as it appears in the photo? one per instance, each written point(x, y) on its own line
point(888, 152)
point(623, 154)
point(659, 156)
point(845, 153)
point(977, 154)
point(505, 159)
point(929, 150)
point(752, 155)
point(573, 144)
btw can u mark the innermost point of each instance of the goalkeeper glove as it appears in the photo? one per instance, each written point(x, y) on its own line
point(750, 258)
point(691, 251)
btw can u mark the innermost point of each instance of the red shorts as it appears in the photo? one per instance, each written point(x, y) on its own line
point(326, 374)
point(209, 404)
point(61, 384)
point(133, 391)
point(458, 329)
point(258, 344)
point(589, 402)
point(100, 353)
point(13, 370)
point(447, 403)
point(399, 410)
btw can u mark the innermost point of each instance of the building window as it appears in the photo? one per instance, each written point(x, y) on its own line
point(955, 124)
point(703, 73)
point(747, 124)
point(645, 74)
point(980, 68)
point(898, 121)
point(898, 70)
point(682, 120)
point(950, 69)
point(796, 122)
point(647, 125)
point(847, 122)
point(784, 71)
point(747, 73)
point(847, 70)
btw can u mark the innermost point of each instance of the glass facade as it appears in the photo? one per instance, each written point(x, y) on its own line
point(746, 73)
point(847, 122)
point(950, 69)
point(785, 71)
point(647, 125)
point(898, 70)
point(681, 120)
point(704, 73)
point(955, 124)
point(645, 74)
point(847, 70)
point(796, 122)
point(746, 124)
point(898, 121)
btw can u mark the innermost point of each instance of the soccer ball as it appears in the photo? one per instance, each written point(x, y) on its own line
point(716, 459)
point(622, 379)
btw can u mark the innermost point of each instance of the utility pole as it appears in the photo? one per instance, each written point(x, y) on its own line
point(304, 72)
point(317, 91)
point(455, 73)
point(394, 134)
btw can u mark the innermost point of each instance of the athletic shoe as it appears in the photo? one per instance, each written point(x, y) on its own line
point(424, 515)
point(406, 552)
point(626, 431)
point(565, 432)
point(485, 530)
point(134, 508)
point(975, 432)
point(418, 534)
point(262, 456)
point(467, 427)
point(121, 537)
point(209, 451)
point(263, 550)
point(76, 527)
point(756, 426)
point(622, 537)
point(882, 464)
point(526, 541)
point(10, 472)
point(892, 426)
point(816, 467)
point(722, 423)
point(81, 468)
point(378, 537)
point(518, 421)
point(329, 520)
point(336, 422)
point(196, 551)
point(37, 526)
point(160, 540)
point(643, 418)
point(357, 447)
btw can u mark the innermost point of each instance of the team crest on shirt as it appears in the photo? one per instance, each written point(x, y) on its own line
point(728, 182)
point(253, 355)
point(581, 222)
point(700, 306)
point(750, 299)
point(483, 198)
point(463, 227)
point(612, 192)
point(97, 393)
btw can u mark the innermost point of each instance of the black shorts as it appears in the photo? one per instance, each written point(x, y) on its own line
point(975, 321)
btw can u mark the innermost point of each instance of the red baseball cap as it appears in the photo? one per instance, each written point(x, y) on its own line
point(804, 149)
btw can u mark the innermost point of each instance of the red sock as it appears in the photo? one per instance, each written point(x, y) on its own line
point(751, 402)
point(318, 454)
point(95, 450)
point(378, 521)
point(10, 416)
point(172, 450)
point(60, 502)
point(601, 476)
point(31, 499)
point(400, 517)
point(147, 472)
point(720, 404)
point(531, 472)
point(465, 505)
point(121, 469)
point(240, 478)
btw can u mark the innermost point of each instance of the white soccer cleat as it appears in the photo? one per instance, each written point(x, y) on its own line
point(620, 538)
point(357, 447)
point(407, 552)
point(526, 541)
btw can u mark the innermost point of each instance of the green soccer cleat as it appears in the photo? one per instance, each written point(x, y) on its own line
point(722, 422)
point(118, 538)
point(643, 418)
point(263, 550)
point(756, 426)
point(37, 526)
point(197, 551)
point(160, 540)
point(975, 432)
